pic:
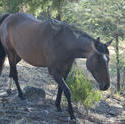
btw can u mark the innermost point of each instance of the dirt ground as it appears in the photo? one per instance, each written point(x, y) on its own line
point(39, 108)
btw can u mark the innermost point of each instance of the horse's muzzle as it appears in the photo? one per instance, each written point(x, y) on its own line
point(105, 87)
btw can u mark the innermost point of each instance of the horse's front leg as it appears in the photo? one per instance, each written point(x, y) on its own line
point(63, 86)
point(58, 99)
point(65, 71)
point(67, 93)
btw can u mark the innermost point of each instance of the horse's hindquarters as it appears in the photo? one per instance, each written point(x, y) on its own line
point(25, 41)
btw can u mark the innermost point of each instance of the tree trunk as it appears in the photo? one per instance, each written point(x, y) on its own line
point(117, 62)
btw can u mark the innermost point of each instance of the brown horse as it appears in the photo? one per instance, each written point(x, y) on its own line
point(53, 44)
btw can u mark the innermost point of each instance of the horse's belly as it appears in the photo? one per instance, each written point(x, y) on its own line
point(37, 63)
point(33, 57)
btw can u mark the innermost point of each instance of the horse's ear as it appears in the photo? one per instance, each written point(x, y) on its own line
point(98, 38)
point(96, 41)
point(108, 43)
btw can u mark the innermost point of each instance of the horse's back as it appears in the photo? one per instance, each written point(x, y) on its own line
point(39, 43)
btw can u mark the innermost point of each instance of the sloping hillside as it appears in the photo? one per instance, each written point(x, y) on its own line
point(39, 108)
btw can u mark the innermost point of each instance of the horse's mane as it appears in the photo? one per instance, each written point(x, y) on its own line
point(71, 27)
point(101, 47)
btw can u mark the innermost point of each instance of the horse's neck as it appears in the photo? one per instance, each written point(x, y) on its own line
point(84, 49)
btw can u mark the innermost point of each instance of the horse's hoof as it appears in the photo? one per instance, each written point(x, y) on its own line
point(73, 117)
point(21, 96)
point(9, 91)
point(59, 109)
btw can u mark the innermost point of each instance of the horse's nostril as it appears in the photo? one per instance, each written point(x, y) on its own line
point(105, 87)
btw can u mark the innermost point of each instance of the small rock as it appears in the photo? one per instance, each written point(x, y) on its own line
point(113, 112)
point(33, 93)
point(102, 107)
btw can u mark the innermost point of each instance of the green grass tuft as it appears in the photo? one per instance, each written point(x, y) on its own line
point(82, 89)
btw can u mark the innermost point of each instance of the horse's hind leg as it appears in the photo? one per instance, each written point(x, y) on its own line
point(10, 80)
point(9, 83)
point(14, 74)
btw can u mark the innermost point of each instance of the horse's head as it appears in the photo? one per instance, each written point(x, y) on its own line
point(97, 64)
point(101, 47)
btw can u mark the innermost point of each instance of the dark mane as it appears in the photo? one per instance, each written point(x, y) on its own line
point(101, 47)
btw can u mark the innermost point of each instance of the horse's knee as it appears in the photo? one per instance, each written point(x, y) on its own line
point(59, 95)
point(67, 92)
point(12, 73)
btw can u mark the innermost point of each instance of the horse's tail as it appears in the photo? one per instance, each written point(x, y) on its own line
point(2, 17)
point(2, 57)
point(2, 51)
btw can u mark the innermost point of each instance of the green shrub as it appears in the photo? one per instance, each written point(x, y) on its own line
point(82, 89)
